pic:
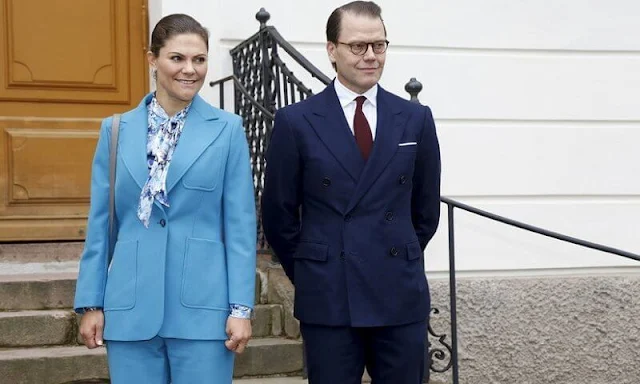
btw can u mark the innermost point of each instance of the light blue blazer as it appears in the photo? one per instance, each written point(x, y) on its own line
point(176, 278)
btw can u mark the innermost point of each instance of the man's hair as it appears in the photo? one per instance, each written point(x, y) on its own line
point(366, 8)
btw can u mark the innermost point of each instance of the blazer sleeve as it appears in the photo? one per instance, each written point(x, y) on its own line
point(92, 276)
point(281, 198)
point(425, 198)
point(239, 218)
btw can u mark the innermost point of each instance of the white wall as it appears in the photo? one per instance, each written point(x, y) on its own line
point(536, 103)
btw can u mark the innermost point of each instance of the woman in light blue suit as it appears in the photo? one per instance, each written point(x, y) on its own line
point(175, 302)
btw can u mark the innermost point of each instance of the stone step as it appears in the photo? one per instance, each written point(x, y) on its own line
point(22, 253)
point(53, 290)
point(37, 291)
point(54, 365)
point(59, 327)
point(37, 328)
point(267, 320)
point(270, 356)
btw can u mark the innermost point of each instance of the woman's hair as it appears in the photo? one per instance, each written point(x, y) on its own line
point(172, 25)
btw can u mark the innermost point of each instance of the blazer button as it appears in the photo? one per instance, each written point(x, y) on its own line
point(402, 179)
point(326, 182)
point(348, 218)
point(388, 216)
point(162, 223)
point(393, 251)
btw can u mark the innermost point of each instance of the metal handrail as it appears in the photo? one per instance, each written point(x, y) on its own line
point(297, 56)
point(244, 92)
point(451, 205)
point(538, 230)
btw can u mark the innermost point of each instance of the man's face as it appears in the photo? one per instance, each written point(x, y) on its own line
point(358, 72)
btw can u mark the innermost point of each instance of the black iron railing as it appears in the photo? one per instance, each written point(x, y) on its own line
point(258, 65)
point(451, 205)
point(262, 83)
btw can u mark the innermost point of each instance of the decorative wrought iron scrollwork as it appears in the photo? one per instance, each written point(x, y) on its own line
point(264, 83)
point(442, 353)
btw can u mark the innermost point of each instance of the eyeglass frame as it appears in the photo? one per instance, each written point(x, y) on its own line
point(350, 45)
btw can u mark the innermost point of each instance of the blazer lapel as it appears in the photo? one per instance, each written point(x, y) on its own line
point(201, 128)
point(329, 123)
point(389, 131)
point(132, 142)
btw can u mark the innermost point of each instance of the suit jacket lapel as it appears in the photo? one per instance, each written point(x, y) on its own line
point(201, 128)
point(329, 123)
point(389, 131)
point(132, 142)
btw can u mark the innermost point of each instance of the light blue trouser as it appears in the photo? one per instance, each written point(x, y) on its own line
point(164, 361)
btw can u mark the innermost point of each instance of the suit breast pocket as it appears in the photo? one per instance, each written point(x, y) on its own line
point(207, 171)
point(410, 148)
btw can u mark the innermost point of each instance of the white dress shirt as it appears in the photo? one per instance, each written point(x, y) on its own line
point(347, 100)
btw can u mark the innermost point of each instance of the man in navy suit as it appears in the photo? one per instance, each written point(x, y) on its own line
point(351, 200)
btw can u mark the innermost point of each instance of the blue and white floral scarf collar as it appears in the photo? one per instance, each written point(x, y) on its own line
point(162, 138)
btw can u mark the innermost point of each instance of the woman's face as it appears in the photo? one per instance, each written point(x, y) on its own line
point(181, 67)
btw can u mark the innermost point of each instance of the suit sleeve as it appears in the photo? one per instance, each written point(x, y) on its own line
point(281, 198)
point(239, 217)
point(92, 276)
point(425, 199)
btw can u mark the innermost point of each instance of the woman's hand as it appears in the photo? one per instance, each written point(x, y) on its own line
point(239, 333)
point(91, 326)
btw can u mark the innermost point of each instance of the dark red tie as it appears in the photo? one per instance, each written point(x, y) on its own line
point(361, 129)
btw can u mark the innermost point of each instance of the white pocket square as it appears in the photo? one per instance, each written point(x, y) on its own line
point(407, 144)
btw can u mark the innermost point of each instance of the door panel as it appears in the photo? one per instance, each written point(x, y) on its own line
point(67, 64)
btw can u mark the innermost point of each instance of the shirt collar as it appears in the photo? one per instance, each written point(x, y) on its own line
point(346, 96)
point(157, 110)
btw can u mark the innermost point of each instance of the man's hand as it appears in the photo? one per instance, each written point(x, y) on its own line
point(239, 333)
point(91, 326)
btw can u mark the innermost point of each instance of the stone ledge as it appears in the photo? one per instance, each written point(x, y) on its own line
point(543, 329)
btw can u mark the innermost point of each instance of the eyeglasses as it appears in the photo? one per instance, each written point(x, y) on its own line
point(360, 48)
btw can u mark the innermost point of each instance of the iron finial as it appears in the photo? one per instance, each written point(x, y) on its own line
point(263, 16)
point(413, 87)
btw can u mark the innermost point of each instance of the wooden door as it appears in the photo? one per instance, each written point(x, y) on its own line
point(64, 65)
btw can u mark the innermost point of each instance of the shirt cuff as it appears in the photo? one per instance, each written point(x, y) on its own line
point(240, 311)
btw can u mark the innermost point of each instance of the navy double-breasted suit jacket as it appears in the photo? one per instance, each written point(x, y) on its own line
point(350, 234)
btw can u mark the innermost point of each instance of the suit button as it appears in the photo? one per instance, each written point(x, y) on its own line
point(393, 251)
point(348, 218)
point(326, 182)
point(162, 223)
point(402, 179)
point(388, 216)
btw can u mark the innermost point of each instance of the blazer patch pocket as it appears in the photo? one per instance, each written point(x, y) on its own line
point(311, 251)
point(206, 172)
point(120, 292)
point(204, 275)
